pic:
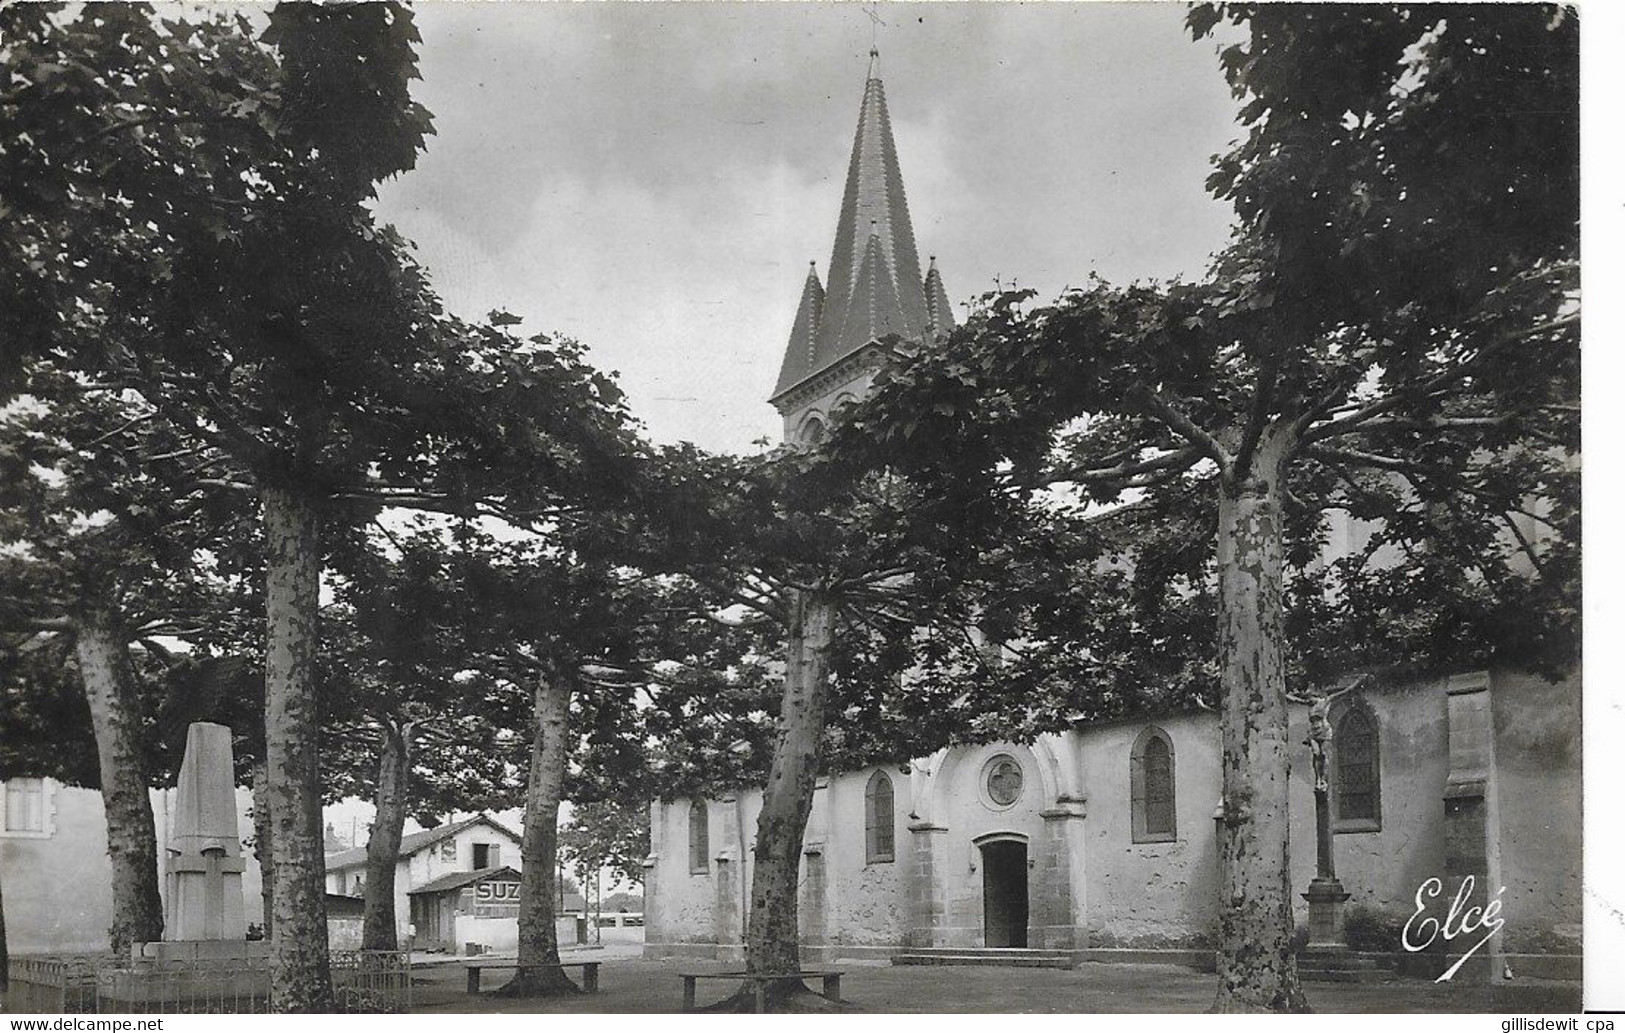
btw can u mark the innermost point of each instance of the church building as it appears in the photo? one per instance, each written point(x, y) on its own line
point(1101, 843)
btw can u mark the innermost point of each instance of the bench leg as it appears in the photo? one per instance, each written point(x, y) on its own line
point(589, 977)
point(832, 987)
point(473, 980)
point(688, 993)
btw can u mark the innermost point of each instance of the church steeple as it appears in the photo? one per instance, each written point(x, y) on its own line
point(803, 349)
point(874, 288)
point(939, 312)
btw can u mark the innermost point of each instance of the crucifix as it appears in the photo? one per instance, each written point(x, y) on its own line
point(1326, 895)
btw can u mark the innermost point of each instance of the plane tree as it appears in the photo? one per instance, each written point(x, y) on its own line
point(405, 720)
point(1392, 334)
point(107, 542)
point(187, 219)
point(561, 649)
point(846, 582)
point(611, 833)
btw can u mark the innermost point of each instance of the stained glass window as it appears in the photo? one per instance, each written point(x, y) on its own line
point(1355, 742)
point(699, 837)
point(1004, 781)
point(879, 819)
point(1159, 788)
point(1151, 786)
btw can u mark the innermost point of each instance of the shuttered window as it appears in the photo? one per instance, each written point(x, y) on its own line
point(24, 806)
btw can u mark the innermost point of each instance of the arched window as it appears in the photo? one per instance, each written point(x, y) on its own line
point(1151, 785)
point(1357, 770)
point(812, 431)
point(699, 837)
point(879, 820)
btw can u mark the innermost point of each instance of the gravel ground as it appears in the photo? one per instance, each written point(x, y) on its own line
point(631, 985)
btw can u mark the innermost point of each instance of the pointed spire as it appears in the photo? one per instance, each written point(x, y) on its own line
point(874, 310)
point(939, 311)
point(803, 350)
point(874, 198)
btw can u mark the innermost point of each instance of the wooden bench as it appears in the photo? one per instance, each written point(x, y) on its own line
point(758, 983)
point(589, 971)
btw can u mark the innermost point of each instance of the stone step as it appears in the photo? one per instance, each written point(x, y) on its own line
point(1376, 975)
point(990, 952)
point(1341, 967)
point(1012, 957)
point(1337, 962)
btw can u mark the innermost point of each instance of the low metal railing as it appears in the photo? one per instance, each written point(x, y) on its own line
point(61, 985)
point(372, 981)
point(195, 986)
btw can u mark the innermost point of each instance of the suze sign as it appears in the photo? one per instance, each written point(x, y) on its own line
point(496, 893)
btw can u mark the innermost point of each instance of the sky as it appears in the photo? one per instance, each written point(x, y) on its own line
point(652, 179)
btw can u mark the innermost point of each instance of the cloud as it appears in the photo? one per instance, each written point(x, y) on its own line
point(653, 178)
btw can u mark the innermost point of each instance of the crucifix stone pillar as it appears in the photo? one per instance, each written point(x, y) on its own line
point(1326, 896)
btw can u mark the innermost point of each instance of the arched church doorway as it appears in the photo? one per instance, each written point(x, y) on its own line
point(1004, 892)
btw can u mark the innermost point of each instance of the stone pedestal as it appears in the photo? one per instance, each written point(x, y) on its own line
point(205, 962)
point(203, 867)
point(1326, 899)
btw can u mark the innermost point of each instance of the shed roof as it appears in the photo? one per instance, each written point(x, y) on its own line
point(457, 880)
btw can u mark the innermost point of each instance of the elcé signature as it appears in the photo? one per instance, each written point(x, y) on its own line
point(1460, 920)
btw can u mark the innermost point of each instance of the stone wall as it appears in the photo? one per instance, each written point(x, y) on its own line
point(1092, 885)
point(58, 891)
point(1151, 895)
point(1538, 775)
point(1382, 869)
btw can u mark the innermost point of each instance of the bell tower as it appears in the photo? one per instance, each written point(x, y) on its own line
point(876, 303)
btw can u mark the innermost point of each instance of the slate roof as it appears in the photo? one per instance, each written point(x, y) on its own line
point(939, 312)
point(413, 842)
point(875, 287)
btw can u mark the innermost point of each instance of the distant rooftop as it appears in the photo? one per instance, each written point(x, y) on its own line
point(416, 841)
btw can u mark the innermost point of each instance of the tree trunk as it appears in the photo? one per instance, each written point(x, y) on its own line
point(300, 981)
point(772, 933)
point(1257, 971)
point(384, 843)
point(538, 973)
point(132, 845)
point(5, 954)
point(263, 847)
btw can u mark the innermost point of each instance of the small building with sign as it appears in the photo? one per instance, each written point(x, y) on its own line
point(476, 844)
point(467, 907)
point(482, 908)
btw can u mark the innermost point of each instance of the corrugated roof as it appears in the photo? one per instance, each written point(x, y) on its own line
point(413, 842)
point(457, 880)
